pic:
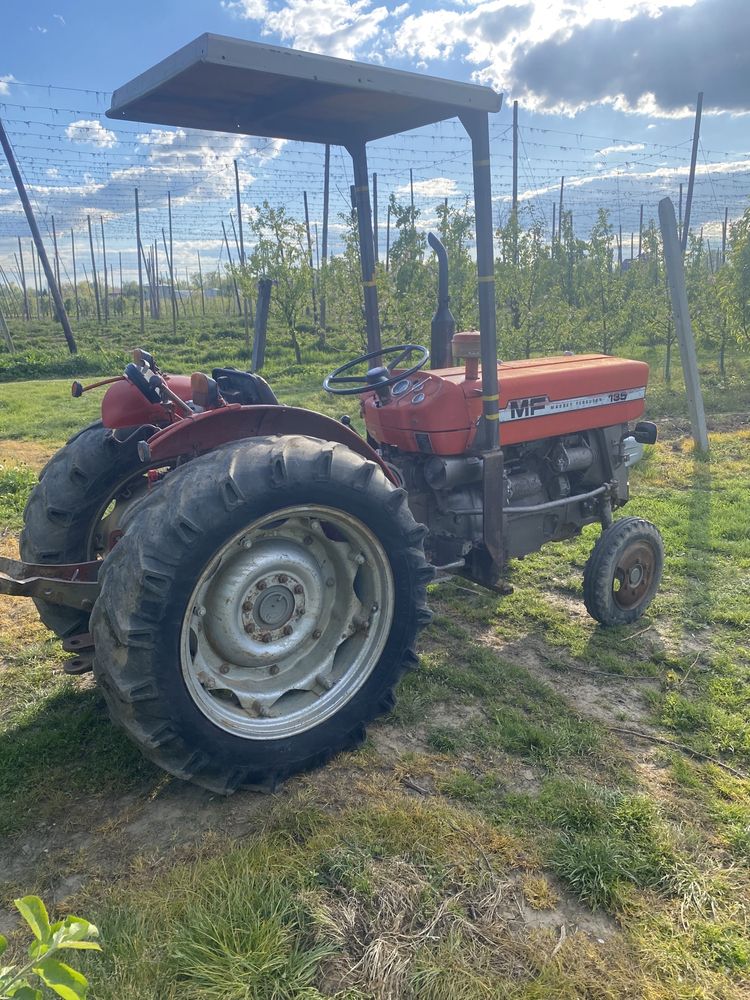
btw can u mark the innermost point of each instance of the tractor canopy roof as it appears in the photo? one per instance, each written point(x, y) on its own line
point(230, 85)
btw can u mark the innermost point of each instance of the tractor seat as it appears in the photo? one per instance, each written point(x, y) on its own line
point(244, 387)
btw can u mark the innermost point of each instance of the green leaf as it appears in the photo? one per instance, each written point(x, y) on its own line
point(66, 982)
point(72, 932)
point(3, 943)
point(27, 993)
point(34, 912)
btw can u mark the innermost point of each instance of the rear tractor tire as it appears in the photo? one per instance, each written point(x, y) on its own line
point(68, 517)
point(258, 612)
point(623, 572)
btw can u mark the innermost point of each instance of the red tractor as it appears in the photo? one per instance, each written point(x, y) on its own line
point(247, 579)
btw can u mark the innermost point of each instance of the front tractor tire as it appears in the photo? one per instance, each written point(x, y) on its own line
point(68, 516)
point(623, 572)
point(259, 610)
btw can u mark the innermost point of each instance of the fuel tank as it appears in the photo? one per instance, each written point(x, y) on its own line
point(125, 406)
point(438, 411)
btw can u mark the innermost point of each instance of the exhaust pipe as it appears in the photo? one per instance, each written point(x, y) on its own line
point(443, 324)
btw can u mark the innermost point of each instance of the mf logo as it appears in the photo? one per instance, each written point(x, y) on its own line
point(528, 407)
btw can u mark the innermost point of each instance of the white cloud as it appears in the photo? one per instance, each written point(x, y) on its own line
point(252, 10)
point(91, 131)
point(624, 147)
point(659, 178)
point(435, 187)
point(334, 27)
point(60, 18)
point(161, 137)
point(5, 81)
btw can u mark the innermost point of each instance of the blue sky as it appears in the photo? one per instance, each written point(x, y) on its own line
point(606, 93)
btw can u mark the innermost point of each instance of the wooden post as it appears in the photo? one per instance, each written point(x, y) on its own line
point(241, 252)
point(106, 278)
point(559, 214)
point(619, 247)
point(62, 314)
point(93, 272)
point(554, 223)
point(640, 234)
point(310, 259)
point(514, 196)
point(375, 240)
point(234, 280)
point(22, 272)
point(678, 293)
point(388, 239)
point(691, 177)
point(170, 261)
point(632, 246)
point(75, 276)
point(200, 280)
point(57, 257)
point(324, 239)
point(37, 280)
point(6, 333)
point(154, 279)
point(138, 252)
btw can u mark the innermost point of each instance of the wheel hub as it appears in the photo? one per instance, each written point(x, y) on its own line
point(257, 614)
point(633, 575)
point(287, 621)
point(273, 608)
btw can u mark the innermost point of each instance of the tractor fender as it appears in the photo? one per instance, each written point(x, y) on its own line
point(205, 431)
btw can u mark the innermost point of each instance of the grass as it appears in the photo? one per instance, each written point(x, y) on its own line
point(495, 806)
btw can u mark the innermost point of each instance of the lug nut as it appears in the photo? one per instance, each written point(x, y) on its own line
point(261, 585)
point(246, 543)
point(200, 611)
point(273, 669)
point(308, 539)
point(317, 633)
point(287, 630)
point(249, 628)
point(266, 637)
point(224, 668)
point(247, 605)
point(298, 588)
point(282, 578)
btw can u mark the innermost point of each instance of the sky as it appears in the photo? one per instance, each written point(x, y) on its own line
point(606, 94)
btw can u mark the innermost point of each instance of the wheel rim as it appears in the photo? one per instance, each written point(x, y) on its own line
point(105, 525)
point(287, 622)
point(633, 575)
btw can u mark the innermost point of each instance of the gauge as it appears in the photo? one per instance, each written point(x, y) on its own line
point(417, 397)
point(401, 387)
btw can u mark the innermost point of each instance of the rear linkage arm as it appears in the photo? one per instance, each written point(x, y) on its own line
point(72, 585)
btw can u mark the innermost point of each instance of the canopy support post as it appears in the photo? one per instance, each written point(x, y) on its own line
point(358, 154)
point(476, 124)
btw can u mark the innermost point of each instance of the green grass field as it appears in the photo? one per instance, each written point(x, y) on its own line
point(551, 811)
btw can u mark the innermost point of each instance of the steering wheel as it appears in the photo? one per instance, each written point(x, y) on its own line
point(375, 379)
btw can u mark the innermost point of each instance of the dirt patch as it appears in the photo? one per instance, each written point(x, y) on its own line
point(671, 428)
point(30, 453)
point(19, 620)
point(596, 696)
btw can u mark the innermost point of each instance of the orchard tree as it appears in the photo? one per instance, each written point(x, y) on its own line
point(280, 253)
